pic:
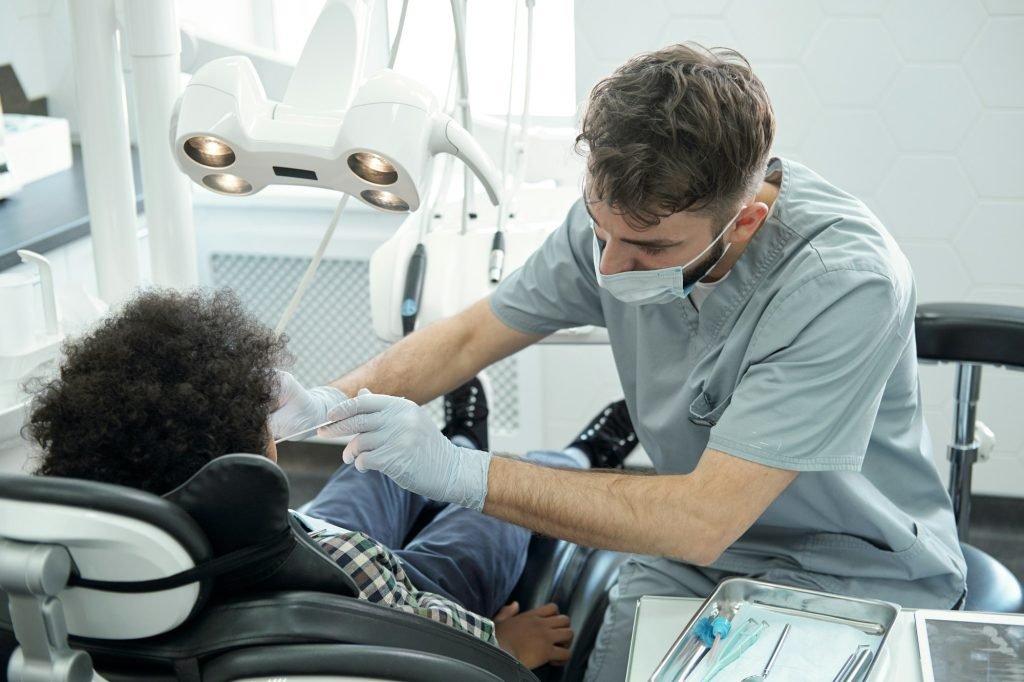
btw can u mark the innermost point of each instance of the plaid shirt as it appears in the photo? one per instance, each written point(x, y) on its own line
point(380, 578)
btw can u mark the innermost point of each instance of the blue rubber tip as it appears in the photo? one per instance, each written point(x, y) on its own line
point(720, 627)
point(704, 631)
point(707, 629)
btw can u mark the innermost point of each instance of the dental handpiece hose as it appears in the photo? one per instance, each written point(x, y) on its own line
point(413, 293)
point(496, 264)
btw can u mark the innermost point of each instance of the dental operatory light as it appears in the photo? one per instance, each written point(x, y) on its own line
point(375, 141)
point(209, 151)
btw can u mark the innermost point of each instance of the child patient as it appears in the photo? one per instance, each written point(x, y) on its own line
point(175, 380)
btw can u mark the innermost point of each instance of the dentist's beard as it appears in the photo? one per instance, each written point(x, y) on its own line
point(701, 268)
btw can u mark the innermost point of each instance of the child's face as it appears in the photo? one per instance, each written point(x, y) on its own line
point(271, 447)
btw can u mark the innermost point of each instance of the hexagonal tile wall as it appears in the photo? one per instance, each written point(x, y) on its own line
point(938, 271)
point(924, 197)
point(930, 108)
point(933, 30)
point(995, 62)
point(794, 101)
point(993, 151)
point(916, 106)
point(850, 148)
point(840, 80)
point(787, 39)
point(707, 32)
point(988, 244)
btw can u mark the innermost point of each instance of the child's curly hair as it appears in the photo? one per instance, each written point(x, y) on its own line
point(157, 391)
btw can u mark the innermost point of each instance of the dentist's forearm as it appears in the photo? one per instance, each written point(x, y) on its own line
point(434, 360)
point(419, 367)
point(645, 514)
point(691, 517)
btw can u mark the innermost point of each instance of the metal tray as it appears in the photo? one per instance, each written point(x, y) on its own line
point(831, 626)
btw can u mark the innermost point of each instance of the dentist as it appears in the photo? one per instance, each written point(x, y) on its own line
point(762, 325)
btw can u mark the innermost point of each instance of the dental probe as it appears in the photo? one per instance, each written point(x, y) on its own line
point(307, 430)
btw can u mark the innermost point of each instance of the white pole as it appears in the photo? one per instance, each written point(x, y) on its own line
point(153, 40)
point(103, 133)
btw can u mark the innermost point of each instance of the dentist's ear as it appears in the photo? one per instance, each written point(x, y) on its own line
point(748, 222)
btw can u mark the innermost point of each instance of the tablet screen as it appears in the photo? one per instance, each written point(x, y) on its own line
point(982, 647)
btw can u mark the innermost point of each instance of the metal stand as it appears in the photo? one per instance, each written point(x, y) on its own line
point(963, 451)
point(33, 576)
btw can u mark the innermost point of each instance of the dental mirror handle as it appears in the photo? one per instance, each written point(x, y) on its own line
point(775, 652)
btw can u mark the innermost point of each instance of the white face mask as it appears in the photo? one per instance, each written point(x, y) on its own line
point(641, 287)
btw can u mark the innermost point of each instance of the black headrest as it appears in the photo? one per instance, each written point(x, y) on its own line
point(971, 333)
point(242, 500)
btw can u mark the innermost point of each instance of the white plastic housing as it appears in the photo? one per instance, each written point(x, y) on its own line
point(108, 547)
point(391, 116)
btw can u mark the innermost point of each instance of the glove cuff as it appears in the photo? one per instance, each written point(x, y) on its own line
point(467, 479)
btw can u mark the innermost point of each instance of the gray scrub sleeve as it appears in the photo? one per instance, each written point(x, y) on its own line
point(556, 288)
point(821, 359)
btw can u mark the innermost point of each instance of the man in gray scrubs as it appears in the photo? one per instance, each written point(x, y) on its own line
point(762, 324)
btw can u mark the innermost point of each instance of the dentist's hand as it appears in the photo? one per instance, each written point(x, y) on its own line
point(398, 438)
point(298, 408)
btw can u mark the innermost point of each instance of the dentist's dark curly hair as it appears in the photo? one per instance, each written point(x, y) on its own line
point(156, 391)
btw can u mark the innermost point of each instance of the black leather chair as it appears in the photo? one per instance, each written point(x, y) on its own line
point(214, 581)
point(972, 335)
point(578, 579)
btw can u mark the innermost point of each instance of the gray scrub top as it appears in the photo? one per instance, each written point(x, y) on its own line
point(803, 359)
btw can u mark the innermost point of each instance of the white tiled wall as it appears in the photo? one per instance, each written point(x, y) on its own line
point(915, 105)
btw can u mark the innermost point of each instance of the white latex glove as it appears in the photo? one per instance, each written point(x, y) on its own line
point(298, 408)
point(398, 438)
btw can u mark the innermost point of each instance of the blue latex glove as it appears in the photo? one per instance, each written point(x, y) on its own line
point(298, 408)
point(398, 438)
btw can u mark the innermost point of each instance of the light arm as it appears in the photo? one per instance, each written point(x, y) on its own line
point(451, 138)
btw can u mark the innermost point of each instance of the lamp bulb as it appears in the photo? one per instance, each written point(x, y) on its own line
point(229, 184)
point(373, 168)
point(385, 200)
point(209, 151)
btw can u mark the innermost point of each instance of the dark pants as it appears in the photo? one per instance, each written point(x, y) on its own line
point(464, 555)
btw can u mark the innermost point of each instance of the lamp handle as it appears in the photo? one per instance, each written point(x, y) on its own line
point(451, 138)
point(331, 64)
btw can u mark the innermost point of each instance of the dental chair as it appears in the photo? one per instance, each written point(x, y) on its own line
point(972, 335)
point(576, 578)
point(214, 581)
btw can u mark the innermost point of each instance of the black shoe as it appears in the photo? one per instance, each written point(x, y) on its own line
point(609, 438)
point(465, 413)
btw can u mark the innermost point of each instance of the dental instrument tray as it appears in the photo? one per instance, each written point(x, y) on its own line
point(831, 637)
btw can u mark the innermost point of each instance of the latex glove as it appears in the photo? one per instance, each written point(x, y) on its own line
point(398, 438)
point(299, 408)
